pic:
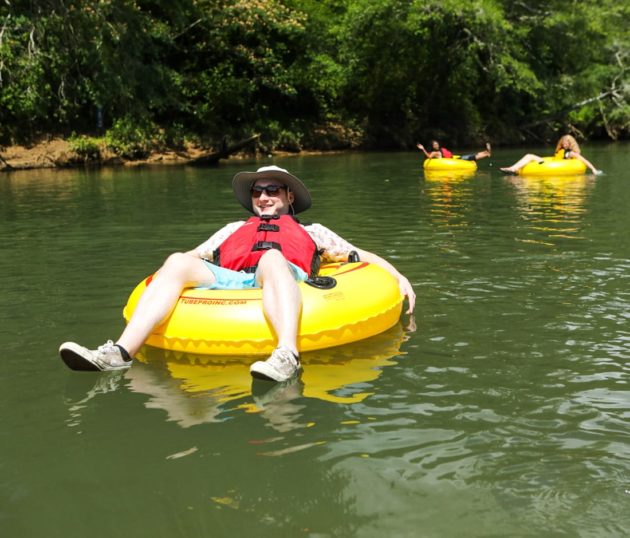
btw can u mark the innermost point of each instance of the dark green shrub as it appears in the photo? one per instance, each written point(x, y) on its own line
point(87, 148)
point(131, 138)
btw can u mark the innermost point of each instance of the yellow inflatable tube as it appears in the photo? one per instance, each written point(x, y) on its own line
point(448, 175)
point(446, 164)
point(365, 301)
point(553, 166)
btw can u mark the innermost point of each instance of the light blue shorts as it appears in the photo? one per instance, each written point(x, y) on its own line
point(228, 279)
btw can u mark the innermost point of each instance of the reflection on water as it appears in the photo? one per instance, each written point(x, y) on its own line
point(82, 390)
point(553, 206)
point(562, 195)
point(197, 389)
point(448, 175)
point(449, 194)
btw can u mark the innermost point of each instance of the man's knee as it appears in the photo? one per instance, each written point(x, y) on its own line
point(272, 257)
point(179, 265)
point(273, 263)
point(175, 261)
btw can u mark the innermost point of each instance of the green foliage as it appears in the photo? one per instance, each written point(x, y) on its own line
point(88, 148)
point(130, 138)
point(174, 135)
point(162, 71)
point(275, 136)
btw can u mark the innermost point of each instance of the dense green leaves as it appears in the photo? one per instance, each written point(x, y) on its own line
point(383, 73)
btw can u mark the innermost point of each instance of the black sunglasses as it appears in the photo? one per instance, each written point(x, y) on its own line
point(269, 190)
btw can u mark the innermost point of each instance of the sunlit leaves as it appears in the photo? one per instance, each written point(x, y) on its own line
point(396, 69)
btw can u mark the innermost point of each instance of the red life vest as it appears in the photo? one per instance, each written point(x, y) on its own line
point(445, 153)
point(242, 250)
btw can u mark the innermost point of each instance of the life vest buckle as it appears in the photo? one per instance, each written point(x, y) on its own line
point(266, 245)
point(266, 227)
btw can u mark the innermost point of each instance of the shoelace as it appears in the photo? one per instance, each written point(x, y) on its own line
point(286, 355)
point(107, 347)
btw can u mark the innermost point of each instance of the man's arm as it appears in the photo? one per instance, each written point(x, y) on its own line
point(337, 249)
point(405, 286)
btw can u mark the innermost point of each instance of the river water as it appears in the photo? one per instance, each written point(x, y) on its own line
point(501, 408)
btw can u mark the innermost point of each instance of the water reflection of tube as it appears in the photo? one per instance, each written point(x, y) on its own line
point(554, 205)
point(563, 195)
point(564, 192)
point(448, 175)
point(449, 192)
point(198, 388)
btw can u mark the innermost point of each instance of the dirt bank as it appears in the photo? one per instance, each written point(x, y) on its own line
point(57, 153)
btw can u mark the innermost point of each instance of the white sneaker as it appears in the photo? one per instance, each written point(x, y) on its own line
point(282, 365)
point(107, 357)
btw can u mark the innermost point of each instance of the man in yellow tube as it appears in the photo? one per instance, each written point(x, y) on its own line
point(235, 257)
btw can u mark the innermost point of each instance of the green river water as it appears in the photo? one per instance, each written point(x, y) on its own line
point(502, 408)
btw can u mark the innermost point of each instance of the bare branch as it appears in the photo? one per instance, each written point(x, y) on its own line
point(189, 27)
point(4, 27)
point(61, 90)
point(612, 133)
point(568, 109)
point(32, 47)
point(7, 166)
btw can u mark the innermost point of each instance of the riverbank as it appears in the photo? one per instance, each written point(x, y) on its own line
point(58, 153)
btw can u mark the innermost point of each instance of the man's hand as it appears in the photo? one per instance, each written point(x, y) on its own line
point(407, 290)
